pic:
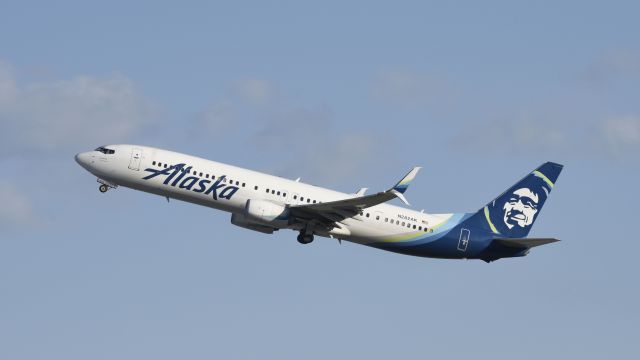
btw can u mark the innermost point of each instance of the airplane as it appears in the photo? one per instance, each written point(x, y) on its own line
point(267, 203)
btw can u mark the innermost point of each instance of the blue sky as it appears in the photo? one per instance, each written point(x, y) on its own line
point(345, 95)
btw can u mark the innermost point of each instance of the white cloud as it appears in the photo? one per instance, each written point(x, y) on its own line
point(7, 84)
point(619, 65)
point(288, 140)
point(410, 89)
point(308, 145)
point(16, 209)
point(519, 136)
point(213, 118)
point(614, 136)
point(254, 91)
point(621, 133)
point(68, 115)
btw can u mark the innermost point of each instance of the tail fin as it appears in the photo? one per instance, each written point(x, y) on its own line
point(513, 213)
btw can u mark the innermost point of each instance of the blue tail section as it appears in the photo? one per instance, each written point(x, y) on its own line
point(512, 214)
point(497, 230)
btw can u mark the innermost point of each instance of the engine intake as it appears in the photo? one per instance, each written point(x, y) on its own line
point(267, 213)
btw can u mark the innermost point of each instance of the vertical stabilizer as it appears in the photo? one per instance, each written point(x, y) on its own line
point(513, 213)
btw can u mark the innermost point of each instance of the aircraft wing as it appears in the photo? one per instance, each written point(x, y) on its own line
point(330, 212)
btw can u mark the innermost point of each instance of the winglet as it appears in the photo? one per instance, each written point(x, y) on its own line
point(400, 196)
point(403, 184)
point(362, 191)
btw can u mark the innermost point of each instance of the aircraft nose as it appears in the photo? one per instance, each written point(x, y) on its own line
point(82, 159)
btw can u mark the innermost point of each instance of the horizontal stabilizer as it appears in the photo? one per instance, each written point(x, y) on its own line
point(525, 243)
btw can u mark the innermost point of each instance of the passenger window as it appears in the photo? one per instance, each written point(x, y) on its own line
point(255, 187)
point(301, 198)
point(377, 217)
point(278, 193)
point(284, 194)
point(397, 222)
point(314, 201)
point(419, 227)
point(414, 227)
point(165, 166)
point(386, 219)
point(267, 191)
point(243, 184)
point(154, 163)
point(403, 223)
point(308, 200)
point(367, 214)
point(207, 176)
point(295, 197)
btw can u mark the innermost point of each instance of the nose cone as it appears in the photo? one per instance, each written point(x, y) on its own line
point(83, 159)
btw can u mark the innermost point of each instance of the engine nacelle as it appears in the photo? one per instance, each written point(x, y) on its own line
point(241, 220)
point(267, 213)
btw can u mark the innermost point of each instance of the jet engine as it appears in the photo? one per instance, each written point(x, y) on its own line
point(267, 213)
point(241, 221)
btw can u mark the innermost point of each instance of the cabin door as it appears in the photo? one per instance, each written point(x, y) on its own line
point(136, 156)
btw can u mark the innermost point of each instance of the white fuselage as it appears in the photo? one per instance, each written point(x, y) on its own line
point(227, 188)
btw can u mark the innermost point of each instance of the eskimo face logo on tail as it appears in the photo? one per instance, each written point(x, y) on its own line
point(513, 213)
point(176, 175)
point(521, 208)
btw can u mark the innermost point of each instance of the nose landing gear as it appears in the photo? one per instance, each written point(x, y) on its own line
point(105, 186)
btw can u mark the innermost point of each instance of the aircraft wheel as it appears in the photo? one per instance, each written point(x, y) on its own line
point(103, 188)
point(305, 239)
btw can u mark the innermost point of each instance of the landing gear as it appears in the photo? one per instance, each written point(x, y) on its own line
point(105, 185)
point(305, 238)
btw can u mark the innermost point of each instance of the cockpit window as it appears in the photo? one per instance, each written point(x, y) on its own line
point(104, 150)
